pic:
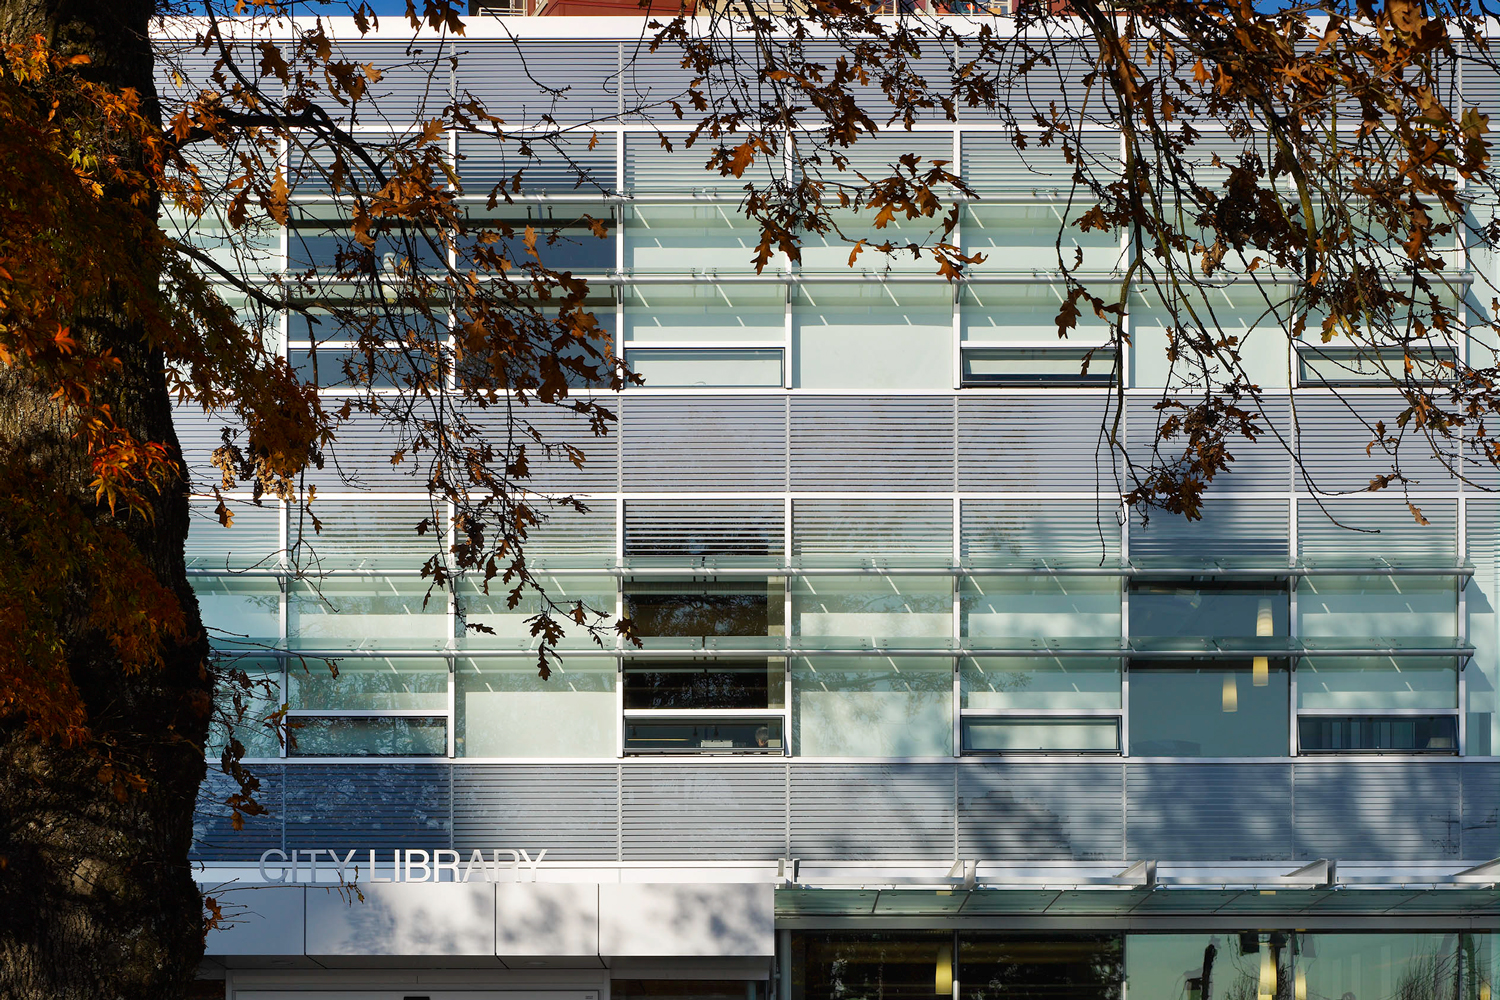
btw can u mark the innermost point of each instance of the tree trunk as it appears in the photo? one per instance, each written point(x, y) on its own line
point(96, 895)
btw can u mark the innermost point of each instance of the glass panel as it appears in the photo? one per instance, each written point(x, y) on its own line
point(252, 539)
point(1410, 965)
point(1034, 607)
point(705, 313)
point(686, 989)
point(1024, 366)
point(829, 251)
point(368, 534)
point(1040, 682)
point(338, 367)
point(1203, 608)
point(1208, 711)
point(872, 965)
point(711, 684)
point(663, 736)
point(372, 737)
point(691, 609)
point(1040, 967)
point(1384, 682)
point(1347, 366)
point(872, 706)
point(239, 607)
point(405, 610)
point(1374, 606)
point(1032, 237)
point(994, 314)
point(858, 336)
point(687, 239)
point(1010, 735)
point(369, 682)
point(707, 367)
point(506, 710)
point(329, 248)
point(1378, 733)
point(1225, 966)
point(511, 627)
point(258, 696)
point(844, 610)
point(566, 239)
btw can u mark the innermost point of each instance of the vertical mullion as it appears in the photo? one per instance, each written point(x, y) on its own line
point(957, 590)
point(786, 632)
point(619, 613)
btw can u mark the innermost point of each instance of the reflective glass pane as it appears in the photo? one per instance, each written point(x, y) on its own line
point(699, 735)
point(685, 239)
point(1374, 606)
point(506, 710)
point(696, 608)
point(686, 989)
point(1033, 237)
point(1012, 966)
point(1376, 682)
point(330, 249)
point(242, 706)
point(239, 606)
point(1409, 965)
point(566, 239)
point(368, 682)
point(707, 366)
point(1011, 735)
point(510, 627)
point(1024, 366)
point(705, 684)
point(1202, 608)
point(1025, 682)
point(1221, 966)
point(858, 706)
point(872, 965)
point(704, 313)
point(1378, 734)
point(835, 610)
point(370, 737)
point(343, 609)
point(1208, 711)
point(1346, 366)
point(1040, 606)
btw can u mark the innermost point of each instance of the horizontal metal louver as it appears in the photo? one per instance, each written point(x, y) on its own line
point(993, 164)
point(526, 82)
point(570, 810)
point(1023, 812)
point(1033, 86)
point(1262, 465)
point(214, 835)
point(566, 532)
point(552, 470)
point(716, 812)
point(1481, 84)
point(704, 528)
point(369, 532)
point(881, 812)
point(184, 70)
point(1335, 433)
point(934, 67)
point(1356, 531)
point(361, 458)
point(1025, 442)
point(415, 81)
point(1480, 788)
point(878, 157)
point(731, 443)
point(1237, 531)
point(872, 528)
point(894, 444)
point(1209, 812)
point(252, 538)
point(651, 167)
point(1386, 811)
point(384, 807)
point(199, 434)
point(653, 81)
point(564, 164)
point(1054, 532)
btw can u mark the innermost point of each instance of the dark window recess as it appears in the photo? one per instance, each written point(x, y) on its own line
point(1040, 967)
point(1378, 734)
point(670, 608)
point(872, 965)
point(687, 989)
point(716, 685)
point(703, 734)
point(376, 736)
point(1045, 366)
point(1201, 608)
point(563, 246)
point(341, 367)
point(327, 248)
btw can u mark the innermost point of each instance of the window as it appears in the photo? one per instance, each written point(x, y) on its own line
point(707, 367)
point(873, 706)
point(1334, 367)
point(1377, 705)
point(1196, 709)
point(373, 706)
point(1063, 367)
point(872, 611)
point(1200, 608)
point(1040, 704)
point(679, 706)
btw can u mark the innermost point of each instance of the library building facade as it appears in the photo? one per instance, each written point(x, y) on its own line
point(919, 710)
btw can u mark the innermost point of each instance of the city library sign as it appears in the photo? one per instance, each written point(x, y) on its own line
point(413, 865)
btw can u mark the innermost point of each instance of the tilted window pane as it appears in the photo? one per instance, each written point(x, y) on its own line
point(512, 626)
point(1023, 683)
point(1040, 606)
point(1409, 964)
point(685, 239)
point(368, 682)
point(369, 737)
point(1009, 735)
point(719, 734)
point(506, 710)
point(845, 706)
point(239, 606)
point(707, 367)
point(1207, 608)
point(716, 684)
point(1208, 711)
point(1378, 734)
point(402, 610)
point(834, 610)
point(1376, 682)
point(1372, 606)
point(1033, 238)
point(1349, 366)
point(1002, 966)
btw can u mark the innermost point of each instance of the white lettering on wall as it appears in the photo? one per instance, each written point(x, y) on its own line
point(410, 865)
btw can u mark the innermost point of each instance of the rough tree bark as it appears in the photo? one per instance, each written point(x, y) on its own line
point(96, 895)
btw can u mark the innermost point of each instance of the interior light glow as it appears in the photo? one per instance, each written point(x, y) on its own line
point(1231, 693)
point(942, 983)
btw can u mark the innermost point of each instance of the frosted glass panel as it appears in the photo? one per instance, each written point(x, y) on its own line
point(1000, 314)
point(1376, 683)
point(872, 707)
point(1040, 606)
point(239, 607)
point(1027, 238)
point(395, 610)
point(1041, 735)
point(830, 251)
point(685, 239)
point(701, 313)
point(707, 367)
point(860, 338)
point(1263, 344)
point(369, 683)
point(1040, 683)
point(511, 627)
point(1355, 606)
point(872, 609)
point(506, 710)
